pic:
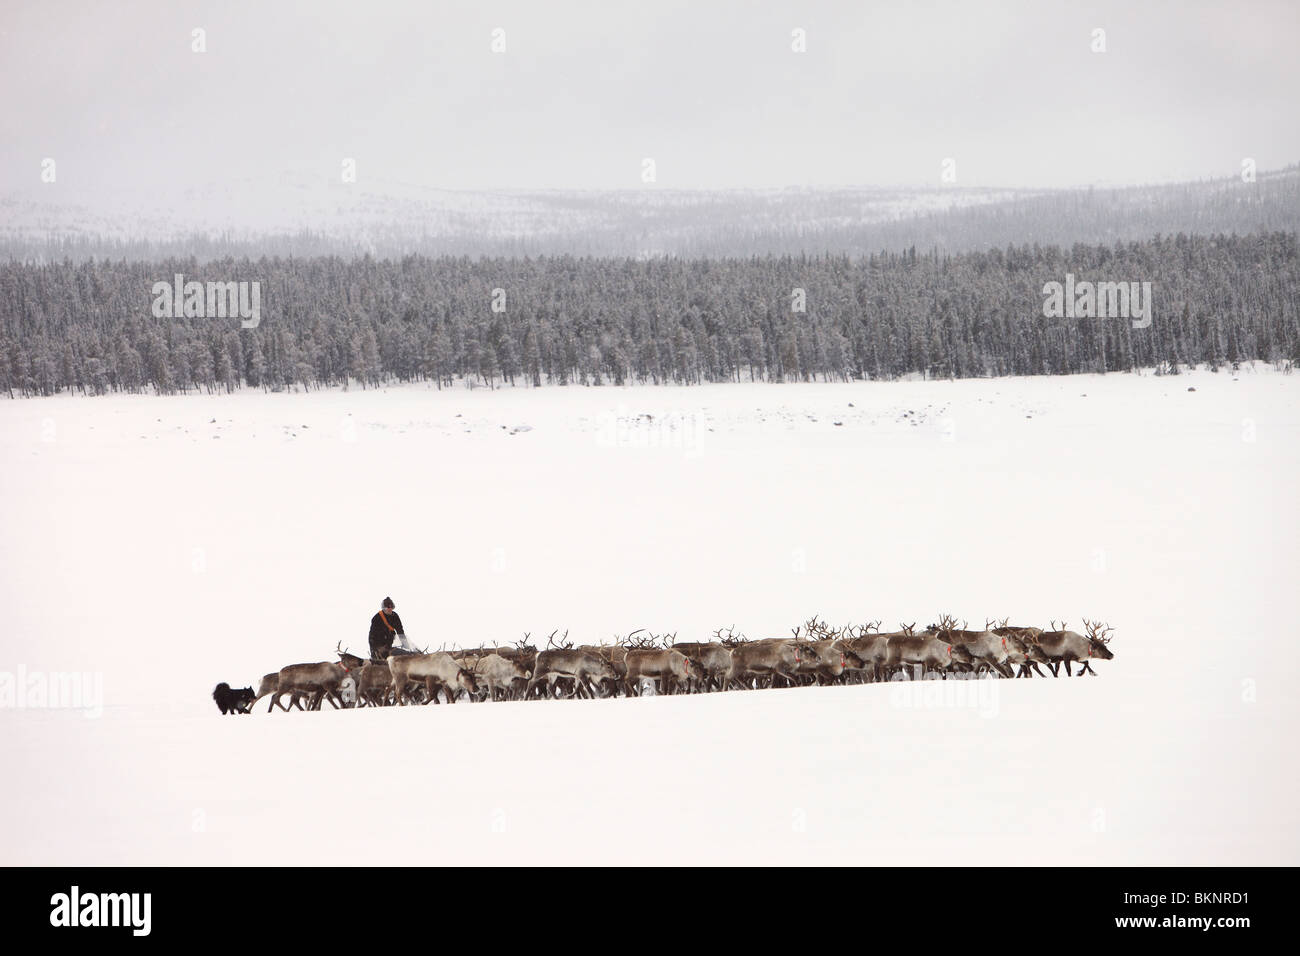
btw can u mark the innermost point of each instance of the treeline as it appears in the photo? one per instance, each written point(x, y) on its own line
point(89, 327)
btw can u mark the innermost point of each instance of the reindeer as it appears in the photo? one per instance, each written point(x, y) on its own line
point(1063, 646)
point(578, 666)
point(924, 650)
point(872, 649)
point(566, 685)
point(817, 634)
point(438, 671)
point(267, 686)
point(839, 670)
point(497, 672)
point(826, 659)
point(985, 648)
point(1098, 641)
point(374, 684)
point(667, 665)
point(523, 655)
point(838, 659)
point(323, 681)
point(710, 662)
point(1022, 647)
point(769, 658)
point(1023, 655)
point(349, 660)
point(615, 655)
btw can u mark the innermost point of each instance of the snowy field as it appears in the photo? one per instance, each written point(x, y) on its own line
point(160, 545)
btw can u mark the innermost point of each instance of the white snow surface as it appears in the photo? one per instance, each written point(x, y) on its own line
point(163, 544)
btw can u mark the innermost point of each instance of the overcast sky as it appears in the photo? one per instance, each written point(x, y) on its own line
point(584, 91)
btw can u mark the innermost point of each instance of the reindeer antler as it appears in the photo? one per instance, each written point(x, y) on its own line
point(731, 638)
point(1097, 631)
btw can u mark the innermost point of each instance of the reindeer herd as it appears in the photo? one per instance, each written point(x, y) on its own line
point(643, 662)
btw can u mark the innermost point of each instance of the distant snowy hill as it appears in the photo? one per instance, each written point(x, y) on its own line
point(289, 215)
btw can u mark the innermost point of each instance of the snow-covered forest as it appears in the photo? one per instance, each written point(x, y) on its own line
point(562, 320)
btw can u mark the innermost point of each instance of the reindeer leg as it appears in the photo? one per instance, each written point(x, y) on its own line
point(1087, 669)
point(1067, 668)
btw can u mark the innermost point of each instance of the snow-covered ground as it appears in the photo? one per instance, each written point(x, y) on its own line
point(160, 545)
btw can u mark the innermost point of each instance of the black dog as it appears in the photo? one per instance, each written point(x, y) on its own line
point(233, 701)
